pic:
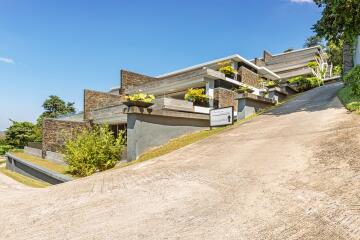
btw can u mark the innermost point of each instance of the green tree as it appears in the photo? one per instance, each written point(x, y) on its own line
point(313, 41)
point(55, 106)
point(340, 21)
point(20, 133)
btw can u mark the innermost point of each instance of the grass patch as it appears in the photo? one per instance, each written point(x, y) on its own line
point(42, 163)
point(349, 100)
point(23, 179)
point(188, 139)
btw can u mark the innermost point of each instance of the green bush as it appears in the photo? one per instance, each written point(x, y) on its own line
point(306, 83)
point(4, 149)
point(352, 78)
point(93, 150)
point(350, 100)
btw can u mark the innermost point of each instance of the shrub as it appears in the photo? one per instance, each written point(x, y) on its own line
point(243, 89)
point(271, 84)
point(337, 70)
point(141, 97)
point(4, 149)
point(306, 83)
point(313, 65)
point(196, 95)
point(93, 150)
point(352, 78)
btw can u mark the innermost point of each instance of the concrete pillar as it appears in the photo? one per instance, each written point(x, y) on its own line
point(210, 86)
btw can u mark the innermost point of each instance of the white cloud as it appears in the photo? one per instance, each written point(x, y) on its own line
point(7, 60)
point(302, 1)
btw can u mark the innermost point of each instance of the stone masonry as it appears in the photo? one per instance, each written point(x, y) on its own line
point(130, 79)
point(249, 77)
point(55, 132)
point(95, 99)
point(225, 98)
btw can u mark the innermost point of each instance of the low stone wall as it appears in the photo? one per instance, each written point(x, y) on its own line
point(225, 98)
point(250, 104)
point(33, 151)
point(151, 128)
point(33, 171)
point(55, 132)
point(249, 77)
point(95, 99)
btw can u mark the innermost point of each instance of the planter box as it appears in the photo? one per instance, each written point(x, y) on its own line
point(173, 104)
point(138, 104)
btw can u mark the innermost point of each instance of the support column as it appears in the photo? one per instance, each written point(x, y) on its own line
point(210, 85)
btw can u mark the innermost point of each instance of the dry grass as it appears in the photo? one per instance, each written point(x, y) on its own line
point(23, 179)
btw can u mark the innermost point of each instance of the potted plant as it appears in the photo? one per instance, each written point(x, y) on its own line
point(227, 69)
point(272, 84)
point(140, 100)
point(243, 89)
point(197, 96)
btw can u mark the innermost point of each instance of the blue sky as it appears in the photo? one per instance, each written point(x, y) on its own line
point(62, 47)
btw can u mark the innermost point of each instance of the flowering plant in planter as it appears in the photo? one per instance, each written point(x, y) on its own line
point(139, 99)
point(197, 96)
point(243, 89)
point(227, 69)
point(271, 84)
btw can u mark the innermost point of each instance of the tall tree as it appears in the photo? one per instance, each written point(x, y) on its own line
point(340, 21)
point(55, 107)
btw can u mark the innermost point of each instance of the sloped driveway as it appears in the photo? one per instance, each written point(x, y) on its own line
point(293, 173)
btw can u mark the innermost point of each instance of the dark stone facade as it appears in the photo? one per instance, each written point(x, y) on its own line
point(95, 99)
point(225, 98)
point(130, 79)
point(249, 77)
point(55, 132)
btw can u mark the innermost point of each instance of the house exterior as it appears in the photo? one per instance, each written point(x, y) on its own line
point(295, 63)
point(108, 107)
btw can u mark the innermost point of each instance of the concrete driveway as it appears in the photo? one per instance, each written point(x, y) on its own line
point(293, 173)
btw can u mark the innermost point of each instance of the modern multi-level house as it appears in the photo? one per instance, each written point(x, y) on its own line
point(108, 107)
point(295, 63)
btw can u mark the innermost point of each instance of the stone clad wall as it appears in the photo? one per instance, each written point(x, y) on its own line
point(95, 99)
point(249, 77)
point(130, 79)
point(225, 98)
point(55, 132)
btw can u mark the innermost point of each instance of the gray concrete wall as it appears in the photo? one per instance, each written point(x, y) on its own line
point(247, 107)
point(145, 131)
point(33, 151)
point(33, 171)
point(55, 157)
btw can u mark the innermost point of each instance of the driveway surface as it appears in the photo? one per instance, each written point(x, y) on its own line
point(293, 173)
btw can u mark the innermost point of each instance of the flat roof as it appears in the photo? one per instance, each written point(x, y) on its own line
point(235, 57)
